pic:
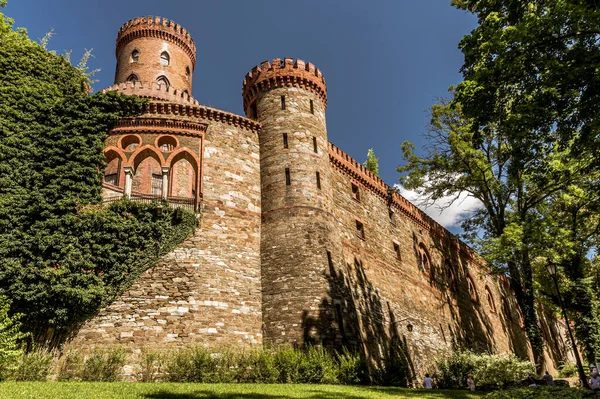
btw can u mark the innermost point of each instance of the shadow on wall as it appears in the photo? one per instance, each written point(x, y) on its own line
point(472, 327)
point(356, 320)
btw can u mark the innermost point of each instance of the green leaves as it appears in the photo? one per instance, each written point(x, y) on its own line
point(63, 255)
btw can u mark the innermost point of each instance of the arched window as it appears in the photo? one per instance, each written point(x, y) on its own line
point(472, 289)
point(165, 59)
point(490, 299)
point(424, 259)
point(134, 56)
point(187, 73)
point(162, 80)
point(133, 78)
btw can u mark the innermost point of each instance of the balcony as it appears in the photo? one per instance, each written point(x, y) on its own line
point(189, 204)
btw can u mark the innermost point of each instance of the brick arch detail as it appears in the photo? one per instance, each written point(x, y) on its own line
point(120, 141)
point(169, 161)
point(132, 160)
point(117, 150)
point(195, 164)
point(170, 136)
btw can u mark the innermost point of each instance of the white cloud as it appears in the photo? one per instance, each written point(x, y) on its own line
point(447, 216)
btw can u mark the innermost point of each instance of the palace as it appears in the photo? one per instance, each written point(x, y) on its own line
point(297, 243)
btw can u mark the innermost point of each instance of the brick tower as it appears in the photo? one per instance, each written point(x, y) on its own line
point(298, 232)
point(154, 49)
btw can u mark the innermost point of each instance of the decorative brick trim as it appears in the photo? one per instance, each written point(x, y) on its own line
point(180, 104)
point(156, 27)
point(348, 165)
point(154, 125)
point(286, 73)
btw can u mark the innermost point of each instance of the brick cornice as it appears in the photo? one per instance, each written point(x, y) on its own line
point(160, 28)
point(349, 166)
point(156, 125)
point(283, 73)
point(170, 102)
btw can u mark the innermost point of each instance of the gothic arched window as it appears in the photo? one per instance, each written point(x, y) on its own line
point(165, 59)
point(162, 80)
point(134, 56)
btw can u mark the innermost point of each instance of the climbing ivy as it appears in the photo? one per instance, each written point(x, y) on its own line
point(62, 254)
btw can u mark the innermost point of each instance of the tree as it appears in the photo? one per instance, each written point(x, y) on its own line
point(372, 163)
point(521, 121)
point(62, 254)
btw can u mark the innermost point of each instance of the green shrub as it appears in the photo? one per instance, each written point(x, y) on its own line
point(10, 337)
point(289, 363)
point(486, 369)
point(352, 368)
point(149, 367)
point(542, 393)
point(319, 367)
point(261, 367)
point(567, 370)
point(33, 366)
point(193, 364)
point(101, 365)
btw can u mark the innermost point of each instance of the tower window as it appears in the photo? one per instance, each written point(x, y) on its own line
point(330, 262)
point(165, 59)
point(162, 80)
point(285, 140)
point(312, 107)
point(397, 250)
point(315, 145)
point(391, 214)
point(133, 78)
point(253, 111)
point(282, 102)
point(318, 180)
point(135, 56)
point(355, 192)
point(156, 184)
point(360, 230)
point(288, 179)
point(187, 73)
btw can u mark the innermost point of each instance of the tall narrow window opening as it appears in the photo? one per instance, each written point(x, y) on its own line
point(285, 140)
point(156, 184)
point(165, 59)
point(397, 250)
point(282, 102)
point(162, 80)
point(288, 180)
point(315, 149)
point(330, 263)
point(391, 216)
point(360, 230)
point(135, 55)
point(318, 180)
point(355, 192)
point(312, 107)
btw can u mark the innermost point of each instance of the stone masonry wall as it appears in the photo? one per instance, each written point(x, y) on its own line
point(404, 270)
point(207, 291)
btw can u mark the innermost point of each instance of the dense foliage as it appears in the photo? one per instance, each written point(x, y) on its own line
point(62, 255)
point(519, 135)
point(543, 393)
point(10, 336)
point(487, 369)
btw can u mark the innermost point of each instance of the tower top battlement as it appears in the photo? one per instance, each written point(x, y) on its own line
point(285, 72)
point(156, 27)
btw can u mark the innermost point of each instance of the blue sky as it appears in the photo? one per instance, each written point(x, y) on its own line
point(384, 61)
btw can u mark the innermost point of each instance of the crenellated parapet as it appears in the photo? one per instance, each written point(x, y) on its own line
point(283, 73)
point(159, 28)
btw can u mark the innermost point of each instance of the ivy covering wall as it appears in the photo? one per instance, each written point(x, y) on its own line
point(63, 255)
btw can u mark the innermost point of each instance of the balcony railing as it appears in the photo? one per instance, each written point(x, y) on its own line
point(189, 204)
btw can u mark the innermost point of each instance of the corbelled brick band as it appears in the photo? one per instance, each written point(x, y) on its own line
point(282, 73)
point(148, 38)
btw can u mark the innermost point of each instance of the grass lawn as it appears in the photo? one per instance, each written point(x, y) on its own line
point(110, 390)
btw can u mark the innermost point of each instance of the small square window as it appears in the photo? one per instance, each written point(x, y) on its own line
point(285, 140)
point(355, 192)
point(288, 179)
point(282, 102)
point(318, 180)
point(397, 250)
point(360, 230)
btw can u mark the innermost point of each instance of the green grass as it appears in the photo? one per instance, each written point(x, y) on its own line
point(110, 390)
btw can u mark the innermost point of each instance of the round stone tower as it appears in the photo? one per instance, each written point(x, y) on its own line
point(298, 235)
point(154, 49)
